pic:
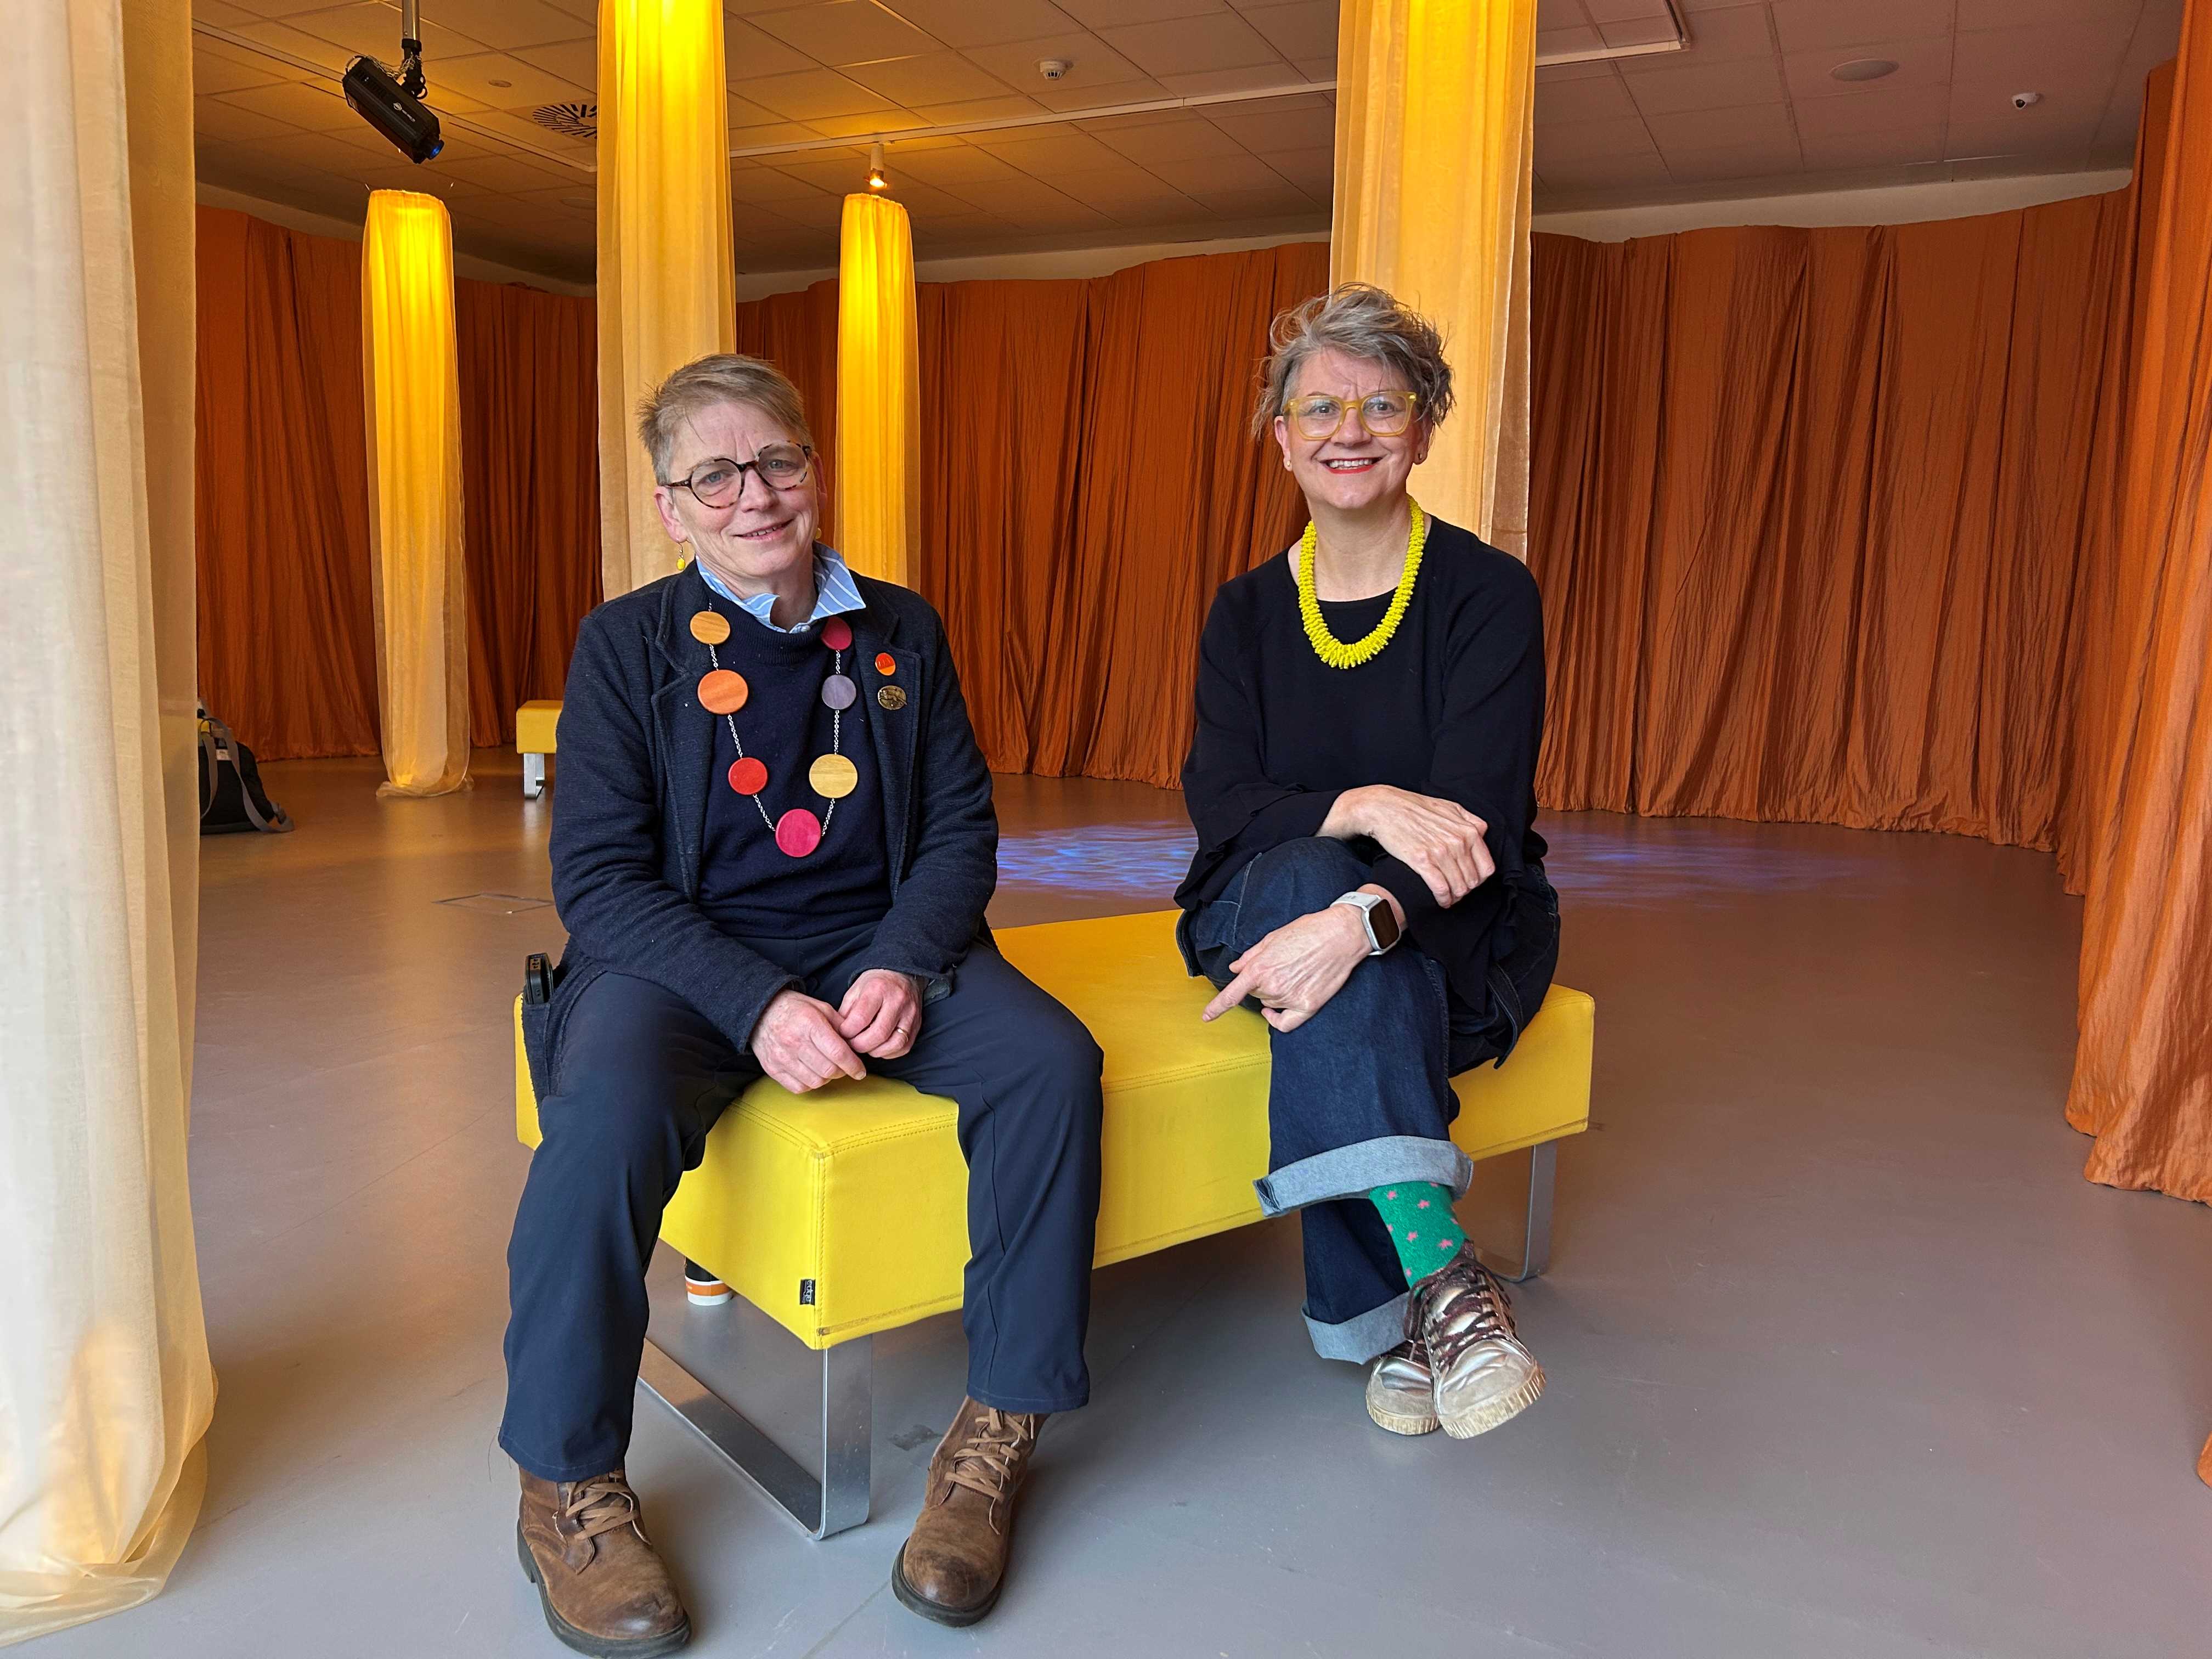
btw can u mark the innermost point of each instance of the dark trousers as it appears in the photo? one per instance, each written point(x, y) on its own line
point(1360, 1094)
point(636, 1078)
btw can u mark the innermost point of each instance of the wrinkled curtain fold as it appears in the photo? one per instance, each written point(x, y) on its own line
point(878, 474)
point(106, 1390)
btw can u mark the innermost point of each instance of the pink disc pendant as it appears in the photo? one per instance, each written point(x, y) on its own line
point(837, 633)
point(797, 833)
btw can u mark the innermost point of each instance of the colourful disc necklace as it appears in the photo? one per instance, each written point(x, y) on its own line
point(1336, 652)
point(723, 692)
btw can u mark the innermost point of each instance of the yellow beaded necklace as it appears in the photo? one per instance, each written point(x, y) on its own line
point(1330, 649)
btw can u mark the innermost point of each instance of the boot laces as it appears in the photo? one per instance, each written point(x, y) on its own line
point(602, 1504)
point(984, 1461)
point(1465, 1304)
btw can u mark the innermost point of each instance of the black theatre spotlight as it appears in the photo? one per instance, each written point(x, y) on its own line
point(395, 106)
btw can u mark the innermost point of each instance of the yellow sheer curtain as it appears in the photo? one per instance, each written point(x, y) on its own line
point(410, 378)
point(878, 392)
point(1435, 120)
point(667, 289)
point(105, 1386)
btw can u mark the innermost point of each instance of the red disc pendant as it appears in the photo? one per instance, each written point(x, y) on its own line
point(837, 633)
point(748, 776)
point(798, 832)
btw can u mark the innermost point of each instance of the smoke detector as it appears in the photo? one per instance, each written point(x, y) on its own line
point(1053, 69)
point(569, 120)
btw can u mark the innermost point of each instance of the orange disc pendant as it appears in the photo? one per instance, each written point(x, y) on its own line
point(723, 692)
point(886, 665)
point(710, 627)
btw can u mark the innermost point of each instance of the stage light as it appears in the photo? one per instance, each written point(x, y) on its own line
point(878, 179)
point(393, 103)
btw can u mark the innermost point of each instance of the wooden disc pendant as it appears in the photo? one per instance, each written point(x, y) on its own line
point(833, 776)
point(797, 833)
point(837, 633)
point(838, 691)
point(710, 627)
point(723, 692)
point(748, 776)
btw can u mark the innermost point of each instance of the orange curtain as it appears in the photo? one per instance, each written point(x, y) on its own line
point(2142, 1076)
point(798, 332)
point(529, 416)
point(1815, 511)
point(287, 621)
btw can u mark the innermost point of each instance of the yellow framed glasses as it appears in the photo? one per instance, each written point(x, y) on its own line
point(1320, 416)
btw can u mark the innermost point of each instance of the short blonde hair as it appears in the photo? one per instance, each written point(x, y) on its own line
point(1362, 321)
point(723, 379)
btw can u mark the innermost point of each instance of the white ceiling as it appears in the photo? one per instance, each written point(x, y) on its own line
point(1748, 108)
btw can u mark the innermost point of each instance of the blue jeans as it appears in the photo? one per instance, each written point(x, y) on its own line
point(1361, 1093)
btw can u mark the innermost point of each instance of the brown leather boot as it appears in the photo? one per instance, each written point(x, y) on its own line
point(955, 1560)
point(603, 1587)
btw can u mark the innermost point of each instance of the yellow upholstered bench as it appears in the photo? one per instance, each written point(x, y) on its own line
point(535, 726)
point(844, 1212)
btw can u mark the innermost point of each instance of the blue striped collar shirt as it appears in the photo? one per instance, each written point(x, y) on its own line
point(834, 592)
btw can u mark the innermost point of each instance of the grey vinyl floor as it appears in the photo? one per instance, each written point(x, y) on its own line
point(1846, 1358)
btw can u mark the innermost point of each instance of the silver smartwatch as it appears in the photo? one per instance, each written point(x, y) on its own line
point(1376, 915)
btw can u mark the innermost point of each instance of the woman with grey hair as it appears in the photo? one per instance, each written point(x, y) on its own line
point(772, 841)
point(1369, 877)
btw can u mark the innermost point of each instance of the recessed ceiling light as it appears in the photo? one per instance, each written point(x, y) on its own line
point(1859, 69)
point(504, 85)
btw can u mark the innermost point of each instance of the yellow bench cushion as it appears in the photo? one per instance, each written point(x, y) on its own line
point(535, 724)
point(858, 1193)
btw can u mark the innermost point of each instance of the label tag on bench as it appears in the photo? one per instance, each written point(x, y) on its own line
point(806, 1293)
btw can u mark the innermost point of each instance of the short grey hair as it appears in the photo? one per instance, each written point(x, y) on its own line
point(1363, 321)
point(700, 386)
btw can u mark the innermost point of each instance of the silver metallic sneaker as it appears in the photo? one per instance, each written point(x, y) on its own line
point(1462, 1317)
point(1401, 1395)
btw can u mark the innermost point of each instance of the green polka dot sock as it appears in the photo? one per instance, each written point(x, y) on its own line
point(1419, 1214)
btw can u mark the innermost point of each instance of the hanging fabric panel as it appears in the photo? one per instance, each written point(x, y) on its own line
point(878, 476)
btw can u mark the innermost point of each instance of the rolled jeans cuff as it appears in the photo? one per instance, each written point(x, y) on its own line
point(1358, 1169)
point(1363, 1336)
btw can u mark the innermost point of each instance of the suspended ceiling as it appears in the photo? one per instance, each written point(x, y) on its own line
point(1749, 106)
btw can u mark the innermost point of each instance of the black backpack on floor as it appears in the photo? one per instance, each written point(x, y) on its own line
point(232, 799)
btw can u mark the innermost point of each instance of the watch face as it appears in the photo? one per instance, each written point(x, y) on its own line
point(1382, 922)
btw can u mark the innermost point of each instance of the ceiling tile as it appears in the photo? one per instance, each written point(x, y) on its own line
point(2039, 59)
point(2068, 142)
point(1204, 84)
point(1313, 171)
point(1316, 68)
point(499, 171)
point(307, 108)
point(1307, 29)
point(1037, 150)
point(956, 168)
point(1555, 43)
point(213, 119)
point(216, 68)
point(1096, 65)
point(1919, 64)
point(1720, 85)
point(1547, 73)
point(2000, 14)
point(1189, 45)
point(1809, 25)
point(751, 53)
point(1001, 108)
point(374, 28)
point(1562, 15)
point(935, 77)
point(1733, 161)
point(811, 94)
point(1221, 173)
point(759, 182)
point(1603, 12)
point(1887, 145)
point(1148, 142)
point(285, 38)
point(1279, 124)
point(984, 22)
point(868, 125)
point(1745, 127)
point(1130, 190)
point(826, 173)
point(221, 13)
point(768, 132)
point(845, 32)
point(504, 25)
point(1589, 141)
point(479, 77)
point(1594, 98)
point(1066, 97)
point(1832, 119)
point(1644, 168)
point(1644, 31)
point(576, 62)
point(1098, 14)
point(1716, 37)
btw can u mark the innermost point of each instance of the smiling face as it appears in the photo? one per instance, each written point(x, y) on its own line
point(765, 535)
point(1353, 471)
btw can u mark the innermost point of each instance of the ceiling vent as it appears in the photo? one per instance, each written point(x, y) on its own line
point(569, 120)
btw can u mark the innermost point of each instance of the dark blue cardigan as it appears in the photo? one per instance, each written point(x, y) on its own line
point(629, 806)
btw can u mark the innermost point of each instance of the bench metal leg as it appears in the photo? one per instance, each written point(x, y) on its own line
point(533, 777)
point(1536, 1238)
point(838, 1501)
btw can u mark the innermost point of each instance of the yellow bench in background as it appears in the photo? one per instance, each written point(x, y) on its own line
point(535, 726)
point(844, 1212)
